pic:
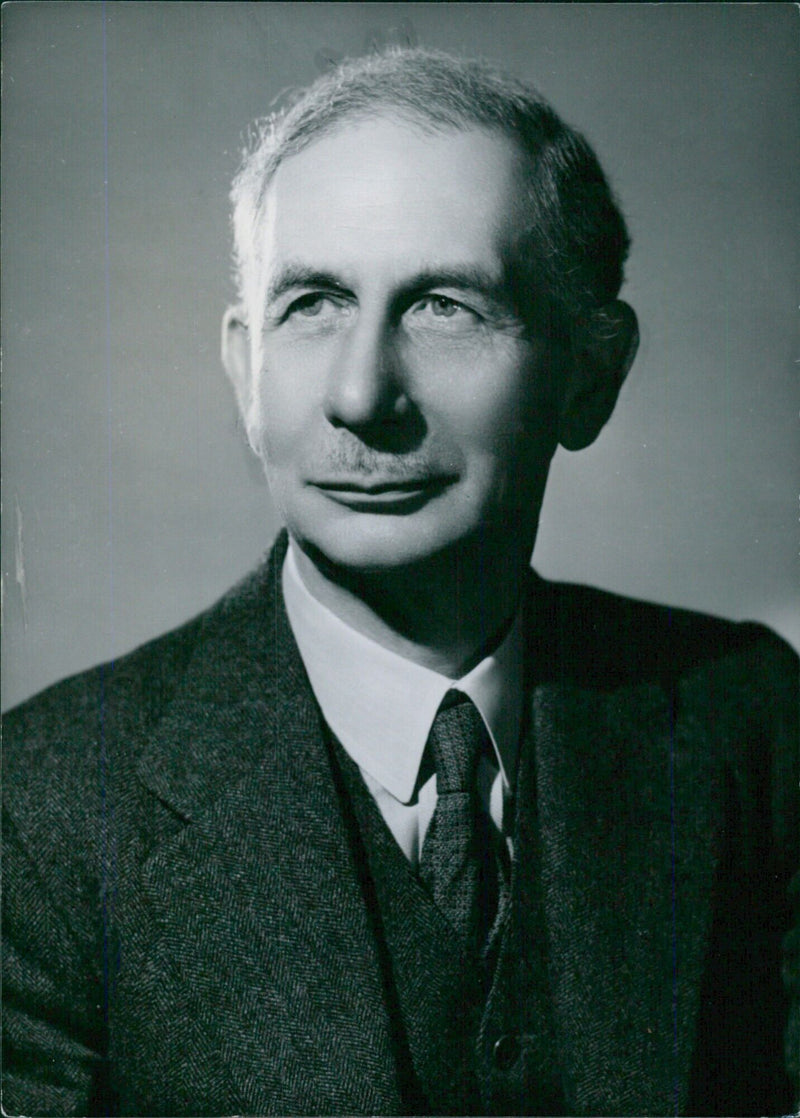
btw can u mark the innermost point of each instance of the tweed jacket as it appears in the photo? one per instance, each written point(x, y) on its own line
point(187, 932)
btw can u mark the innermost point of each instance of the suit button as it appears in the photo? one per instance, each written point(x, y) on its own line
point(506, 1052)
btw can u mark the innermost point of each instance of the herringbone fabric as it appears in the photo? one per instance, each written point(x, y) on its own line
point(457, 855)
point(188, 930)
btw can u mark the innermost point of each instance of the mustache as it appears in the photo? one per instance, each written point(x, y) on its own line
point(357, 459)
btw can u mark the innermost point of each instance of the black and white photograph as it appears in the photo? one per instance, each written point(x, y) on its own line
point(400, 471)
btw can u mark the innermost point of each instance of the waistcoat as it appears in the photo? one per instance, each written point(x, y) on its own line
point(470, 1038)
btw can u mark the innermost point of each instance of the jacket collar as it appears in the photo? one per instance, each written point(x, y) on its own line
point(243, 677)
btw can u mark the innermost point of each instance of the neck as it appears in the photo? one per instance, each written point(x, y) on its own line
point(445, 613)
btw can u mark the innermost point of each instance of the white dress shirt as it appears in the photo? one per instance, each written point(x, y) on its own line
point(381, 707)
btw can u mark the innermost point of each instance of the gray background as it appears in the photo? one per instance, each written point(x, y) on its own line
point(130, 501)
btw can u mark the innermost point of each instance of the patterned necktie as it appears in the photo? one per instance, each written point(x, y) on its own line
point(458, 860)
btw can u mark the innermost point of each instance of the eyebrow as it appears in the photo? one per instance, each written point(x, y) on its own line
point(464, 277)
point(294, 275)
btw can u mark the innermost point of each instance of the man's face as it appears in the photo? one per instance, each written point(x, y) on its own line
point(398, 404)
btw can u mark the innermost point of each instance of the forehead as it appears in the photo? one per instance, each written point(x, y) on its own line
point(383, 192)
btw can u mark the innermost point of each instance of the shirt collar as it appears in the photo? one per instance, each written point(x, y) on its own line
point(381, 706)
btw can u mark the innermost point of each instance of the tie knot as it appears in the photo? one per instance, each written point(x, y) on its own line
point(457, 737)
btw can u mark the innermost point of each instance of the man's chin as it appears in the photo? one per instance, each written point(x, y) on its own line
point(365, 547)
point(364, 558)
point(455, 528)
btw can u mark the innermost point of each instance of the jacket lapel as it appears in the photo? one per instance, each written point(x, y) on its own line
point(257, 943)
point(625, 807)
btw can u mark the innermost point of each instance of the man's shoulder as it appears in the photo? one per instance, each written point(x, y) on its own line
point(727, 691)
point(75, 719)
point(597, 636)
point(100, 744)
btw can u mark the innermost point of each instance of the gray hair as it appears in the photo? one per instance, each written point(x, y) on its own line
point(569, 257)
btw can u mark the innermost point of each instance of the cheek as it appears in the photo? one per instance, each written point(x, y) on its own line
point(500, 407)
point(514, 438)
point(288, 398)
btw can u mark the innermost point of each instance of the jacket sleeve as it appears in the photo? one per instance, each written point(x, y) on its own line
point(775, 695)
point(778, 680)
point(54, 993)
point(791, 976)
point(783, 677)
point(53, 1003)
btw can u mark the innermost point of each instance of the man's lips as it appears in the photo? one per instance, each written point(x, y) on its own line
point(386, 493)
point(391, 485)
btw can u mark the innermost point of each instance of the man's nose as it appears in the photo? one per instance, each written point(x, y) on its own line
point(365, 384)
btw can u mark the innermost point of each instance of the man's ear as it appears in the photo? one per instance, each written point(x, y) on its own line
point(236, 357)
point(598, 368)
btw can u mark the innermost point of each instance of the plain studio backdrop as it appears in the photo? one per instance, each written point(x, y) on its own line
point(130, 499)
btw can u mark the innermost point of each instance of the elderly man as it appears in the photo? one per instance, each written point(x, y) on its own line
point(398, 827)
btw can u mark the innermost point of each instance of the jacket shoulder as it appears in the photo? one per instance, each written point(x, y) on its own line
point(596, 635)
point(57, 745)
point(731, 688)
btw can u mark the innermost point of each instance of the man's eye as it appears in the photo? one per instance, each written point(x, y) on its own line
point(441, 311)
point(322, 305)
point(443, 307)
point(314, 304)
